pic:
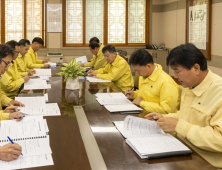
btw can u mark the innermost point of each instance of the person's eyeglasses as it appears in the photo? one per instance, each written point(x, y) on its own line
point(7, 64)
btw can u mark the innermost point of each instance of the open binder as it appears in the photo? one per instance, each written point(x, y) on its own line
point(148, 140)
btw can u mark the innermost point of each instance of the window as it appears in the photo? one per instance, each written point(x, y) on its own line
point(22, 19)
point(117, 22)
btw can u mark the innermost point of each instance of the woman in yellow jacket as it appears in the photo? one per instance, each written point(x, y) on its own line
point(11, 80)
point(158, 92)
point(117, 70)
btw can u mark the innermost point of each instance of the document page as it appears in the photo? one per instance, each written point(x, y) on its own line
point(116, 101)
point(27, 162)
point(52, 109)
point(32, 146)
point(30, 126)
point(82, 59)
point(122, 108)
point(52, 65)
point(35, 101)
point(33, 84)
point(43, 72)
point(135, 127)
point(110, 95)
point(94, 79)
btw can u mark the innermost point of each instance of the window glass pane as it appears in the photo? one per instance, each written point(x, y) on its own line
point(116, 21)
point(74, 20)
point(136, 21)
point(33, 19)
point(13, 20)
point(94, 19)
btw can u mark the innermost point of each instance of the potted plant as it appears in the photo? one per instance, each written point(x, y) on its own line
point(71, 71)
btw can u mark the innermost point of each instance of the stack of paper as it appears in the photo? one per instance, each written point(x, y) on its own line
point(148, 140)
point(34, 84)
point(95, 80)
point(37, 106)
point(116, 102)
point(52, 65)
point(31, 135)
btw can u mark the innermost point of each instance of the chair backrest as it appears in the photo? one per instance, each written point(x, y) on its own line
point(122, 54)
point(136, 80)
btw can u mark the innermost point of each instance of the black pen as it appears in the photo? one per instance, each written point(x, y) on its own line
point(130, 90)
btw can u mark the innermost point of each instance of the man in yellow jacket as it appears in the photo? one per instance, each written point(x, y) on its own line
point(158, 92)
point(117, 70)
point(6, 54)
point(31, 58)
point(98, 61)
point(20, 60)
point(11, 80)
point(199, 120)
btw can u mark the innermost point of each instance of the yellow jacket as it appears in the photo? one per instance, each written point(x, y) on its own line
point(31, 59)
point(11, 81)
point(118, 72)
point(4, 116)
point(160, 93)
point(200, 118)
point(4, 100)
point(21, 65)
point(98, 61)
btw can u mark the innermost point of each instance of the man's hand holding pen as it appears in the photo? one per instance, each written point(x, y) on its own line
point(129, 93)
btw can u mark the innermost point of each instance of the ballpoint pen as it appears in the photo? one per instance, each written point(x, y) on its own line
point(12, 142)
point(128, 91)
point(14, 110)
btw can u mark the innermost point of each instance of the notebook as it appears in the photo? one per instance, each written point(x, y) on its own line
point(148, 140)
point(30, 134)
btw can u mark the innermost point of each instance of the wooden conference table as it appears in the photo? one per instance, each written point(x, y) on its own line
point(69, 136)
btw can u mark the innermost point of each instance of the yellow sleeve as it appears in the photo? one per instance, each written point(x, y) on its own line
point(4, 100)
point(168, 100)
point(207, 138)
point(91, 64)
point(30, 63)
point(23, 73)
point(4, 116)
point(39, 61)
point(100, 62)
point(135, 94)
point(173, 115)
point(114, 74)
point(8, 84)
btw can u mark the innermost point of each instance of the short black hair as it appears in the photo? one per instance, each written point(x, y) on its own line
point(38, 40)
point(94, 45)
point(187, 55)
point(94, 39)
point(109, 48)
point(5, 50)
point(13, 43)
point(23, 42)
point(141, 57)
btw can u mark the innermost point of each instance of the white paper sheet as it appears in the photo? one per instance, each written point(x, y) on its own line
point(94, 79)
point(116, 101)
point(110, 95)
point(121, 108)
point(31, 126)
point(32, 146)
point(27, 162)
point(43, 72)
point(82, 59)
point(52, 65)
point(35, 101)
point(33, 84)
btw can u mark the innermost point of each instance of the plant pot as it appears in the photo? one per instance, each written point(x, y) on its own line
point(72, 84)
point(72, 96)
